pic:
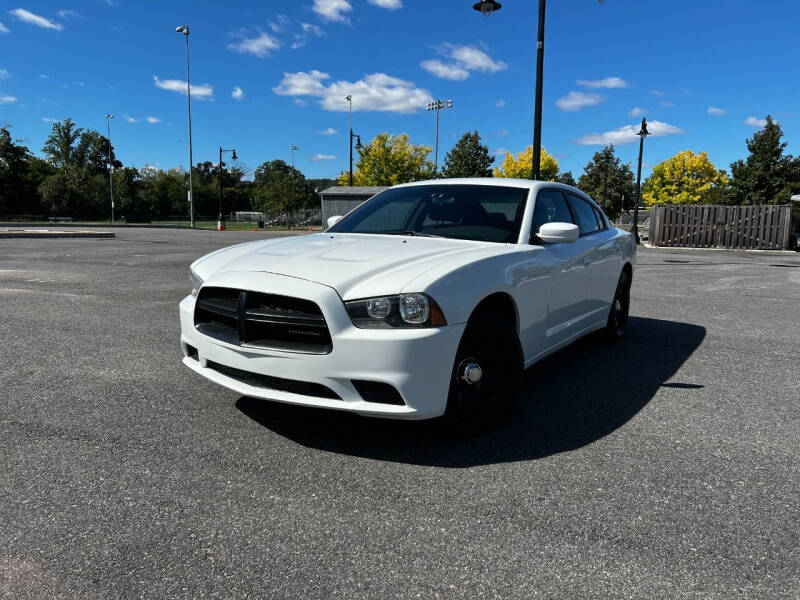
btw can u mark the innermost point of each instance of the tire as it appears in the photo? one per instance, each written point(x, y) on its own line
point(475, 406)
point(620, 308)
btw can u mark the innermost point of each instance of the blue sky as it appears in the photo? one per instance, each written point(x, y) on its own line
point(703, 72)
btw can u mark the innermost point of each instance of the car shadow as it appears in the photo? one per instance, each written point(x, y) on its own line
point(570, 399)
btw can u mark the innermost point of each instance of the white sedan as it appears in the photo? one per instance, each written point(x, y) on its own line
point(428, 300)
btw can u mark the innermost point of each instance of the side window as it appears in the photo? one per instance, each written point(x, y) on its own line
point(584, 213)
point(550, 207)
point(600, 219)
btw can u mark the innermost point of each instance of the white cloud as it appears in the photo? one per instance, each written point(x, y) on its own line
point(636, 112)
point(130, 119)
point(331, 10)
point(755, 122)
point(237, 93)
point(149, 119)
point(627, 134)
point(658, 93)
point(390, 4)
point(300, 102)
point(717, 112)
point(32, 19)
point(500, 103)
point(607, 83)
point(322, 157)
point(501, 132)
point(69, 14)
point(328, 131)
point(667, 103)
point(6, 99)
point(438, 68)
point(306, 29)
point(4, 74)
point(202, 91)
point(279, 24)
point(578, 100)
point(501, 151)
point(464, 59)
point(49, 120)
point(375, 92)
point(152, 120)
point(3, 28)
point(259, 46)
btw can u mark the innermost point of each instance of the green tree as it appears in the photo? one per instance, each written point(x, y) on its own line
point(280, 187)
point(468, 158)
point(767, 176)
point(566, 178)
point(686, 178)
point(389, 160)
point(21, 174)
point(521, 165)
point(72, 191)
point(60, 147)
point(606, 179)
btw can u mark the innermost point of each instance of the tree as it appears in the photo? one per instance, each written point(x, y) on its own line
point(768, 175)
point(69, 145)
point(280, 187)
point(608, 181)
point(389, 160)
point(521, 165)
point(686, 178)
point(566, 178)
point(60, 145)
point(468, 158)
point(21, 174)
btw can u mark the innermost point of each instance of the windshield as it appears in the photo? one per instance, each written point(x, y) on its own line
point(466, 212)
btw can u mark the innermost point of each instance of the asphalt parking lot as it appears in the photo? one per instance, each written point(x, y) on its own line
point(665, 466)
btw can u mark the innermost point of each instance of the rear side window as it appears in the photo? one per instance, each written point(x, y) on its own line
point(600, 220)
point(550, 207)
point(584, 214)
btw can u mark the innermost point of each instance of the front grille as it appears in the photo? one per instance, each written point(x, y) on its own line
point(292, 386)
point(260, 320)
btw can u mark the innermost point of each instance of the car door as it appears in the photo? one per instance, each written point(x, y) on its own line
point(598, 260)
point(561, 267)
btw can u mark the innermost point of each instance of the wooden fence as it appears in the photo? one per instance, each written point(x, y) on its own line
point(763, 227)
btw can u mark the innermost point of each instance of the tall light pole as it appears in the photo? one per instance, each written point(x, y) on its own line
point(221, 218)
point(486, 8)
point(438, 105)
point(184, 29)
point(110, 166)
point(643, 133)
point(292, 147)
point(349, 98)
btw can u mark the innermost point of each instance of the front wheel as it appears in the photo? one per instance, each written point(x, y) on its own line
point(486, 376)
point(620, 307)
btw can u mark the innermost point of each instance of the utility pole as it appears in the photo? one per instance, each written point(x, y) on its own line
point(643, 133)
point(221, 218)
point(438, 105)
point(110, 166)
point(184, 29)
point(292, 147)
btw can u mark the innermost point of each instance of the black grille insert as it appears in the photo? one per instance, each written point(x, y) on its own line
point(262, 320)
point(191, 352)
point(302, 388)
point(378, 392)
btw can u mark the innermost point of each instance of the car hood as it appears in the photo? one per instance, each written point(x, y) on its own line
point(355, 265)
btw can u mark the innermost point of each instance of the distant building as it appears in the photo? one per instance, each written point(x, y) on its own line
point(340, 200)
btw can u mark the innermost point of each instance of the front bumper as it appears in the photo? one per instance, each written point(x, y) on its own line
point(416, 362)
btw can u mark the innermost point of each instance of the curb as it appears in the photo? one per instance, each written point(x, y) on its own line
point(45, 234)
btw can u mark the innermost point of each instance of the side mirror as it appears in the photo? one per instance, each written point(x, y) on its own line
point(334, 220)
point(558, 233)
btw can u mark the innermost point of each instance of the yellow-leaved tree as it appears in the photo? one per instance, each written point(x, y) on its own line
point(521, 165)
point(389, 160)
point(686, 178)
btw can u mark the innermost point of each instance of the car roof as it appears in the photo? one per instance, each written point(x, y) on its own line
point(494, 181)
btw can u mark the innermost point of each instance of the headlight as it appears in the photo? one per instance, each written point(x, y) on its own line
point(196, 282)
point(404, 310)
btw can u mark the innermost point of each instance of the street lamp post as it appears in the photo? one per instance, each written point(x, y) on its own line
point(110, 166)
point(184, 29)
point(293, 148)
point(438, 105)
point(486, 8)
point(349, 98)
point(221, 218)
point(643, 133)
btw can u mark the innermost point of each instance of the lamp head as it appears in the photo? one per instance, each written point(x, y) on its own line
point(234, 154)
point(108, 116)
point(358, 143)
point(184, 29)
point(643, 131)
point(487, 7)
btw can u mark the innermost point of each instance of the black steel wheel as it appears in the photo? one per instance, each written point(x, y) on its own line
point(486, 377)
point(620, 307)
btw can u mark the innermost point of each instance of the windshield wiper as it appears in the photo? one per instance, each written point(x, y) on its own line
point(420, 234)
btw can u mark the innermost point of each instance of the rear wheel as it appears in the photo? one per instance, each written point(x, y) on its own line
point(620, 307)
point(486, 377)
